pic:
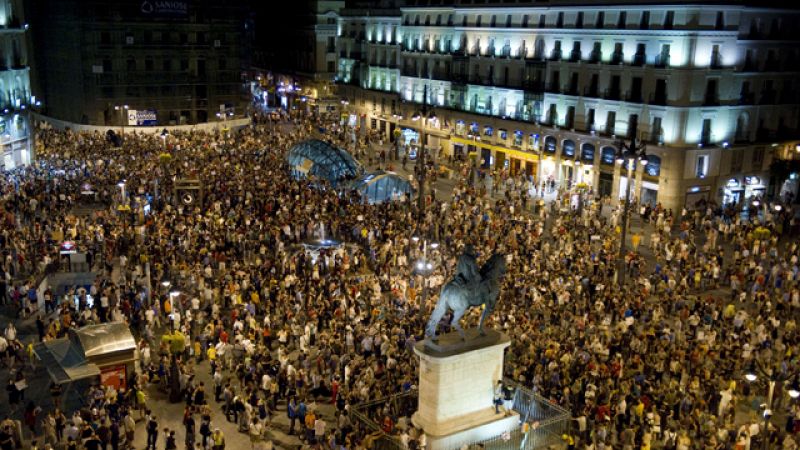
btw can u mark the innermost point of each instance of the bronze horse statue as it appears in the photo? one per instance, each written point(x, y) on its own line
point(459, 296)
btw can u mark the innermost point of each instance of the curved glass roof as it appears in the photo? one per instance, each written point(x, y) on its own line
point(322, 160)
point(379, 187)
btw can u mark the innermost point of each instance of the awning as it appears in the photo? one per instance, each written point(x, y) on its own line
point(64, 362)
point(68, 359)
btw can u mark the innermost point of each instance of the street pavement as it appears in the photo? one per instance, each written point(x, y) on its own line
point(170, 414)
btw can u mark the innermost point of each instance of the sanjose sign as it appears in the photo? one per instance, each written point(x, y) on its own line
point(165, 8)
point(68, 248)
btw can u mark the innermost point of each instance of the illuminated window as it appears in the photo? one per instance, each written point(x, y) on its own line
point(701, 167)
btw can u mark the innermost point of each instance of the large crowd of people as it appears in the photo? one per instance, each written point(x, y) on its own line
point(656, 361)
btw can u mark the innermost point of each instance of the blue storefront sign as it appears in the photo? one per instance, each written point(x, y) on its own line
point(142, 117)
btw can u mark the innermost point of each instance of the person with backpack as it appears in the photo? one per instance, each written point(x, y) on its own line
point(205, 430)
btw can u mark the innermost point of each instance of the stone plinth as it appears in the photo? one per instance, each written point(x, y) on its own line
point(456, 388)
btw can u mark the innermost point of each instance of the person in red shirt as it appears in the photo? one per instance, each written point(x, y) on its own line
point(223, 336)
point(602, 412)
point(334, 389)
point(387, 425)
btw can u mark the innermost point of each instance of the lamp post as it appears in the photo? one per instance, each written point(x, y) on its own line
point(475, 166)
point(346, 111)
point(752, 375)
point(538, 147)
point(123, 114)
point(121, 185)
point(424, 267)
point(422, 115)
point(777, 208)
point(173, 296)
point(164, 134)
point(631, 153)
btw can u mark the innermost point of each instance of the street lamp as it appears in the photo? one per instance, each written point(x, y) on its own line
point(164, 134)
point(422, 115)
point(173, 295)
point(349, 131)
point(777, 208)
point(123, 114)
point(121, 185)
point(752, 375)
point(424, 267)
point(633, 152)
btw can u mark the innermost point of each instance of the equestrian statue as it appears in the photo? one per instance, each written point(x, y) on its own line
point(470, 287)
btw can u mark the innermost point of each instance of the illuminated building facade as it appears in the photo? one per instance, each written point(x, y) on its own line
point(16, 99)
point(547, 87)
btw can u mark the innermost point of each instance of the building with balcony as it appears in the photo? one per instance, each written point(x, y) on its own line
point(300, 69)
point(181, 60)
point(548, 87)
point(16, 99)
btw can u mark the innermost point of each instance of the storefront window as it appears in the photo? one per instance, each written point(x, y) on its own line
point(568, 148)
point(461, 128)
point(550, 144)
point(587, 152)
point(608, 155)
point(533, 142)
point(653, 166)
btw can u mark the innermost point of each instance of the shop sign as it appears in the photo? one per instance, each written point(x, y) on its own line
point(164, 8)
point(752, 180)
point(68, 248)
point(114, 376)
point(144, 117)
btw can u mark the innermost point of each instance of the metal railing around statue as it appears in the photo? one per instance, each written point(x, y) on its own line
point(548, 422)
point(367, 416)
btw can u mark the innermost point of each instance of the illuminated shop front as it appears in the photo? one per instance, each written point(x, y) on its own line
point(754, 187)
point(732, 192)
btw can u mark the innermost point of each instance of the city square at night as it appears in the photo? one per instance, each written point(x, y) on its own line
point(399, 224)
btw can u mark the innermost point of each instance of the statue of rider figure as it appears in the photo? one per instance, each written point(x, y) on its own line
point(467, 266)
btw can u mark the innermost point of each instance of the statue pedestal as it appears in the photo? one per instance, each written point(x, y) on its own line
point(456, 389)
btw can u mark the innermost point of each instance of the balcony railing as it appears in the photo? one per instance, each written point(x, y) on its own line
point(662, 61)
point(711, 100)
point(634, 97)
point(533, 86)
point(612, 94)
point(767, 97)
point(749, 66)
point(772, 65)
point(747, 98)
point(639, 59)
point(658, 99)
